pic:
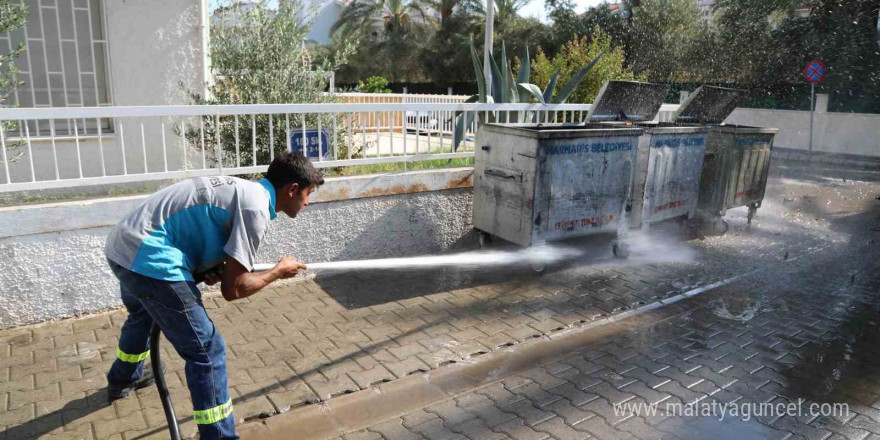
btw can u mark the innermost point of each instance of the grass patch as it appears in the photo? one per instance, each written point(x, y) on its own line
point(397, 167)
point(148, 187)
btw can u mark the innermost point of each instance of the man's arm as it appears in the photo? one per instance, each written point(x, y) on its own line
point(238, 283)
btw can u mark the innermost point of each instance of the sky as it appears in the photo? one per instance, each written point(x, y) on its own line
point(535, 8)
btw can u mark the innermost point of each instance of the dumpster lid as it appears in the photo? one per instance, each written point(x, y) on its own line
point(709, 105)
point(627, 101)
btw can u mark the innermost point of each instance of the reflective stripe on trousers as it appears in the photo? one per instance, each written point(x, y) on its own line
point(131, 358)
point(213, 415)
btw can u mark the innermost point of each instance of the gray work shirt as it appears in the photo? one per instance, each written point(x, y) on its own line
point(192, 226)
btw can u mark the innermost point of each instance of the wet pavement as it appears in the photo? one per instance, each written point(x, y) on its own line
point(804, 334)
point(781, 310)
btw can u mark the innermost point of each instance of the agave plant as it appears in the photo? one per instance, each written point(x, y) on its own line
point(506, 89)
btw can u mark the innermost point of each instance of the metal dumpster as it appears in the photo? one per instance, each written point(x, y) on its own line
point(737, 157)
point(536, 183)
point(670, 155)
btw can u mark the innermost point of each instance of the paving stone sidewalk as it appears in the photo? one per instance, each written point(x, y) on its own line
point(808, 337)
point(308, 341)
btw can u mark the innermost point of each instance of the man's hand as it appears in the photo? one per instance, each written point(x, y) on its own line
point(288, 267)
point(215, 275)
point(238, 282)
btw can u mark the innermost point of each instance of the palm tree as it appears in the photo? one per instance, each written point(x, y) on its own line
point(445, 8)
point(506, 11)
point(371, 16)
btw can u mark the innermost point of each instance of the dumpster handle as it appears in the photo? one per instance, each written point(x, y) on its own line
point(492, 172)
point(485, 148)
point(164, 395)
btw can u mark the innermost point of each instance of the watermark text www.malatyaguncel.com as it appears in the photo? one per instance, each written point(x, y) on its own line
point(744, 411)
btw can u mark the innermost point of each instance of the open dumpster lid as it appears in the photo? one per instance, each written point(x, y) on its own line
point(709, 105)
point(627, 101)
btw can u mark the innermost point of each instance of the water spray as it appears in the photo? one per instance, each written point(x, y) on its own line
point(536, 256)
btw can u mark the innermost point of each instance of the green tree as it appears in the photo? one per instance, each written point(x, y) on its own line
point(770, 42)
point(665, 39)
point(392, 32)
point(764, 45)
point(567, 24)
point(12, 16)
point(445, 59)
point(260, 56)
point(521, 32)
point(389, 16)
point(506, 12)
point(742, 32)
point(447, 9)
point(577, 53)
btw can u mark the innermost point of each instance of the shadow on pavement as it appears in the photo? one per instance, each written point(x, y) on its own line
point(386, 285)
point(45, 424)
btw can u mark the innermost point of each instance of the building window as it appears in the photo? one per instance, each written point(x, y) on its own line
point(64, 63)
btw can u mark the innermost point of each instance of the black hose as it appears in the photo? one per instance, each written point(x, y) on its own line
point(155, 362)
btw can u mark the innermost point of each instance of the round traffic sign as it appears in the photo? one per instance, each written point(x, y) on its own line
point(815, 71)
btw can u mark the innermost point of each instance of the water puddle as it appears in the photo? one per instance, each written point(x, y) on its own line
point(844, 366)
point(741, 309)
point(701, 428)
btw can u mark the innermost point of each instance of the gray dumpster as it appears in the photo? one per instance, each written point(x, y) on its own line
point(670, 156)
point(737, 157)
point(535, 183)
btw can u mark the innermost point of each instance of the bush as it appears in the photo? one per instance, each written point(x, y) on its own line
point(259, 57)
point(374, 84)
point(576, 54)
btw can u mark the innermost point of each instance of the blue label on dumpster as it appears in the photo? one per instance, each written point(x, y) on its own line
point(598, 147)
point(311, 140)
point(753, 141)
point(682, 141)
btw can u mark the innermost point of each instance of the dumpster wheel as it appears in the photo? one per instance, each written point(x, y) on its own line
point(719, 226)
point(484, 239)
point(753, 209)
point(620, 250)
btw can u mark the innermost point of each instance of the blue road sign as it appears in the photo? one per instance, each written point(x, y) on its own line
point(814, 72)
point(311, 140)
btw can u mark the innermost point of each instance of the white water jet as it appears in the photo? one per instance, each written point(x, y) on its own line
point(537, 256)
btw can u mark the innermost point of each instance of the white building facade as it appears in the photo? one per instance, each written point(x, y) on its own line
point(86, 53)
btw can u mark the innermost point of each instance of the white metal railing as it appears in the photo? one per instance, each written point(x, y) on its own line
point(171, 142)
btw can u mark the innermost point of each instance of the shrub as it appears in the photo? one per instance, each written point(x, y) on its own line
point(374, 84)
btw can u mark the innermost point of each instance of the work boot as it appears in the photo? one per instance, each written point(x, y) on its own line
point(116, 391)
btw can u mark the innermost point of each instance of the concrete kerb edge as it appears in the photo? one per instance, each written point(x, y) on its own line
point(797, 155)
point(25, 220)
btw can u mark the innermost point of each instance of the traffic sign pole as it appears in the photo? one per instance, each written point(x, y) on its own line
point(813, 73)
point(812, 110)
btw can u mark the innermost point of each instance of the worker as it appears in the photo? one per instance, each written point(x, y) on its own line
point(203, 229)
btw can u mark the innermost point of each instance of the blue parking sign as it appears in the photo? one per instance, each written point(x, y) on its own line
point(312, 138)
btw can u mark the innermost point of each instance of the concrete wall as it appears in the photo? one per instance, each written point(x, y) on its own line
point(154, 46)
point(52, 256)
point(839, 133)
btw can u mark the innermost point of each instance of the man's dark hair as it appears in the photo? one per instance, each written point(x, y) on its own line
point(293, 168)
